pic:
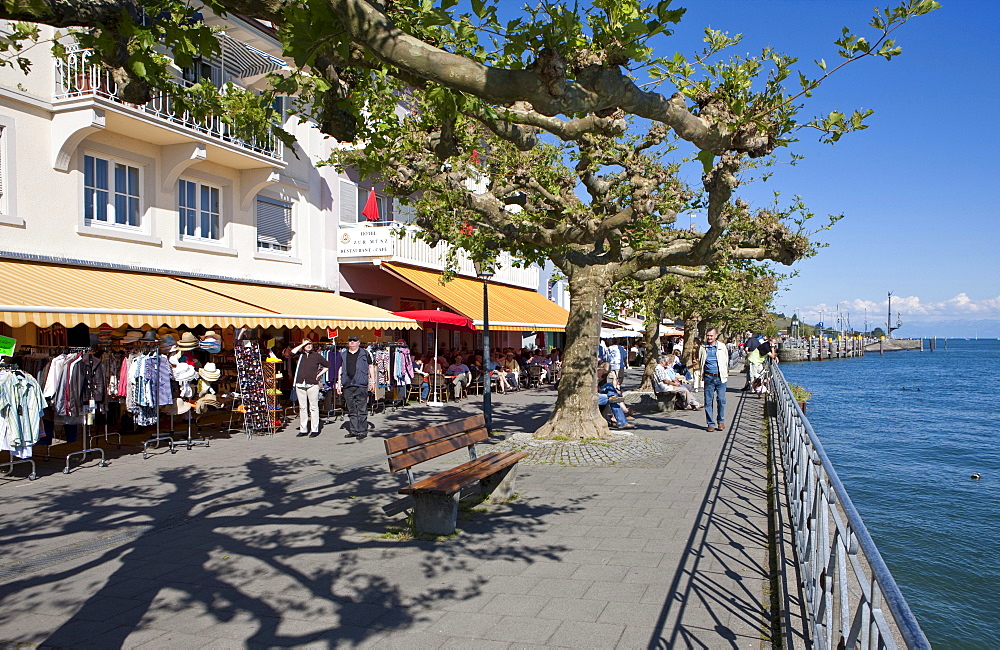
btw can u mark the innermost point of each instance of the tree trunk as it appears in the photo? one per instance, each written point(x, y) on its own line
point(576, 414)
point(651, 336)
point(691, 322)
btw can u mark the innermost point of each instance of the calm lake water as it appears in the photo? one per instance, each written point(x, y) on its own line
point(905, 431)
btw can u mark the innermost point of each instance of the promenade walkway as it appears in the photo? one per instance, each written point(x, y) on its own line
point(281, 542)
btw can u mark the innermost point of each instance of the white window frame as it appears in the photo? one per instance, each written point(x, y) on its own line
point(198, 211)
point(113, 192)
point(267, 247)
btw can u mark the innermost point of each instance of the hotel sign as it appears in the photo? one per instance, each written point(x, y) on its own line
point(365, 242)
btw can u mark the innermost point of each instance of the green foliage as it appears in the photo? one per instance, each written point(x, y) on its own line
point(799, 394)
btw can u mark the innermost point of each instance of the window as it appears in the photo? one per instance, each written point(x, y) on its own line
point(349, 210)
point(274, 225)
point(110, 192)
point(198, 207)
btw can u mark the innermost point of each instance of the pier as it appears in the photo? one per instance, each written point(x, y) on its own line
point(820, 349)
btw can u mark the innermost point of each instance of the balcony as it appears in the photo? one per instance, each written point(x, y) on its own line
point(377, 242)
point(81, 86)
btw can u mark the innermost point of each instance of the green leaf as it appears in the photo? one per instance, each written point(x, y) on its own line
point(707, 159)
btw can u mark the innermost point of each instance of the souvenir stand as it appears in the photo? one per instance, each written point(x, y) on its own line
point(257, 417)
point(268, 371)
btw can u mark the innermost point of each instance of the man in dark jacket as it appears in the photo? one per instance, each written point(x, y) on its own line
point(356, 379)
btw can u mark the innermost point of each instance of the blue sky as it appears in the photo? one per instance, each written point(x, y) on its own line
point(916, 187)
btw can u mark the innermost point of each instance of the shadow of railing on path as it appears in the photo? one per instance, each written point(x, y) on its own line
point(719, 544)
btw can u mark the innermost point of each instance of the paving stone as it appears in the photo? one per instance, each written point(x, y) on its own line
point(616, 591)
point(516, 605)
point(579, 634)
point(573, 609)
point(516, 629)
point(559, 587)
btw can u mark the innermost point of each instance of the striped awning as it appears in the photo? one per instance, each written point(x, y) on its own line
point(511, 308)
point(48, 294)
point(242, 60)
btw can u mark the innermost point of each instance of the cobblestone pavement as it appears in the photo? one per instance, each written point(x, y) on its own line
point(282, 542)
point(618, 450)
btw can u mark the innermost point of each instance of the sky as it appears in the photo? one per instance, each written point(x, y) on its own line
point(918, 188)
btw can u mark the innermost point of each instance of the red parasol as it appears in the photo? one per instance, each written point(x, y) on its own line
point(371, 207)
point(441, 320)
point(446, 320)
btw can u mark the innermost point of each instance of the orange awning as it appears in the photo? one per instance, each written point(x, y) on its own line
point(511, 308)
point(47, 294)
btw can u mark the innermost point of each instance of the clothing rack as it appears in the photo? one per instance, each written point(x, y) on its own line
point(89, 411)
point(9, 466)
point(159, 437)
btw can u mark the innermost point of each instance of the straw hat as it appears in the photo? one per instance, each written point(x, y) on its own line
point(210, 372)
point(210, 334)
point(184, 372)
point(188, 341)
point(119, 332)
point(205, 401)
point(133, 335)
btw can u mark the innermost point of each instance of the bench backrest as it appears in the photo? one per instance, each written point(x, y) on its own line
point(405, 451)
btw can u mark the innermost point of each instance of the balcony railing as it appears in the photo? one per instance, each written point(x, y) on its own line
point(76, 77)
point(851, 598)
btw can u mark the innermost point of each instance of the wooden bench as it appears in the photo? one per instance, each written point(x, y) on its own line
point(435, 498)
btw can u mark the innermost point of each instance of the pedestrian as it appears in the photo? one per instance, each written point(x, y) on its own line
point(713, 360)
point(357, 378)
point(310, 367)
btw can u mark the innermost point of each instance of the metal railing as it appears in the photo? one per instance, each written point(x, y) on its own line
point(852, 600)
point(77, 77)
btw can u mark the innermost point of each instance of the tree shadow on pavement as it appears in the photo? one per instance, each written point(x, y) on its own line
point(244, 554)
point(723, 567)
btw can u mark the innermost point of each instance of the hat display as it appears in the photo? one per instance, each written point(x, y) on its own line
point(188, 341)
point(133, 335)
point(150, 335)
point(119, 332)
point(184, 372)
point(213, 346)
point(210, 372)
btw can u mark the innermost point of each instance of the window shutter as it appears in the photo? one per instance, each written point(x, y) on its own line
point(349, 210)
point(3, 145)
point(274, 223)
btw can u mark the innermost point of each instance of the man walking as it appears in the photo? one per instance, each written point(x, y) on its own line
point(356, 379)
point(713, 359)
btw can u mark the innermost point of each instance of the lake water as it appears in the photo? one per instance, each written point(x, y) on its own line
point(905, 431)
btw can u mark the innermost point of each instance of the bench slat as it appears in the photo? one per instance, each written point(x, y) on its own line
point(450, 474)
point(419, 455)
point(430, 434)
point(454, 479)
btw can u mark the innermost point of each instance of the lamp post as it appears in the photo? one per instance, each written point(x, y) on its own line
point(484, 271)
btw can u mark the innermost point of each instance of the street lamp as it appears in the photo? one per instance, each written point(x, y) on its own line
point(484, 271)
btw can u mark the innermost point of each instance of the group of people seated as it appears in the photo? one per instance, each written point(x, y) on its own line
point(508, 367)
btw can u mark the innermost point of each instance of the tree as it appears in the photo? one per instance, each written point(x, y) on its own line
point(558, 110)
point(878, 333)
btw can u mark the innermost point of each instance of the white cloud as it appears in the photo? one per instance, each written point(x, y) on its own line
point(910, 308)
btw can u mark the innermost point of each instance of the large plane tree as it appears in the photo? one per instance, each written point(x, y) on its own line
point(581, 117)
